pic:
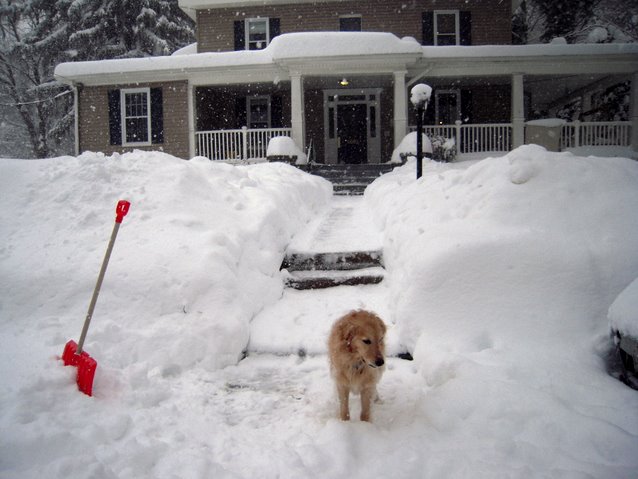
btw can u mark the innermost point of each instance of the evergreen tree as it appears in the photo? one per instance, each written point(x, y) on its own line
point(36, 35)
point(565, 17)
point(33, 38)
point(127, 28)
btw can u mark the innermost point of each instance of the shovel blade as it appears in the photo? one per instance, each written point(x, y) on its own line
point(86, 366)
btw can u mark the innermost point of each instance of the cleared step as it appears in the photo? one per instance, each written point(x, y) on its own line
point(318, 279)
point(343, 261)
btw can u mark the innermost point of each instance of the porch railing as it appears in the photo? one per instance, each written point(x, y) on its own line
point(243, 144)
point(475, 138)
point(600, 133)
point(478, 138)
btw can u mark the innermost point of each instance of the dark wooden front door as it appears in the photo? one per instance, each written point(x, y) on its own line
point(352, 129)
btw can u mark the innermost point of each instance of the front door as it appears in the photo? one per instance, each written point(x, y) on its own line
point(352, 129)
point(351, 126)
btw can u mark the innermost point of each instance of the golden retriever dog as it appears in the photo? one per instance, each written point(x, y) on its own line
point(356, 350)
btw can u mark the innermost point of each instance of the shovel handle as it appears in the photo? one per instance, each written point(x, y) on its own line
point(121, 210)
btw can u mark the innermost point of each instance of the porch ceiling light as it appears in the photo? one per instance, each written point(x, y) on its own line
point(344, 82)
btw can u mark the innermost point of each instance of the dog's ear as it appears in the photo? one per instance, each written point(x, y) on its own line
point(348, 334)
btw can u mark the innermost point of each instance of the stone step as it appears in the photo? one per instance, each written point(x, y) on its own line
point(341, 261)
point(321, 279)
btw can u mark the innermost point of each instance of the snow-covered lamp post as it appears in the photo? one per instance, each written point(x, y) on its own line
point(420, 97)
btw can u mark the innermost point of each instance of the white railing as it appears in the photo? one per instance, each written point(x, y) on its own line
point(599, 133)
point(474, 138)
point(236, 145)
point(478, 138)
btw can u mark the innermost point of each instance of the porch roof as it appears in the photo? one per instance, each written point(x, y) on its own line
point(334, 53)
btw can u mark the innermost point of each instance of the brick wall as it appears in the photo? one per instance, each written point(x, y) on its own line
point(94, 119)
point(491, 19)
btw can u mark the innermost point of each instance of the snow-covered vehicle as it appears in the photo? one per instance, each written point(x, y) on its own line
point(623, 321)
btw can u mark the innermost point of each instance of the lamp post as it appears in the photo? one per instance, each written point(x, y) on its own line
point(420, 97)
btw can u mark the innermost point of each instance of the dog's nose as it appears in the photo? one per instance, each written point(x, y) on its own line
point(379, 362)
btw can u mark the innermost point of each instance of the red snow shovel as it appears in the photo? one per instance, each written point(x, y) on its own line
point(73, 354)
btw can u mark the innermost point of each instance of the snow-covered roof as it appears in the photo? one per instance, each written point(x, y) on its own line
point(382, 48)
point(319, 53)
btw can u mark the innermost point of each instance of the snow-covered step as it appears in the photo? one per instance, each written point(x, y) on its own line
point(319, 279)
point(348, 260)
point(283, 327)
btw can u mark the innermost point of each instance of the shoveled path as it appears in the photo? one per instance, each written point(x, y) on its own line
point(300, 321)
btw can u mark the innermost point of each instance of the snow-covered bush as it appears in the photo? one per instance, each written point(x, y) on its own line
point(443, 149)
point(407, 148)
point(283, 148)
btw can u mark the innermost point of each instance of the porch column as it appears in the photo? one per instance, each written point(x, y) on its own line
point(297, 116)
point(400, 107)
point(633, 111)
point(191, 119)
point(518, 111)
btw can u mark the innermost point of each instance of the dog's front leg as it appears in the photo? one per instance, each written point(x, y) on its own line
point(344, 406)
point(366, 399)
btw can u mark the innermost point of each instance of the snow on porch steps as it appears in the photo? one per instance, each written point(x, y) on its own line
point(299, 323)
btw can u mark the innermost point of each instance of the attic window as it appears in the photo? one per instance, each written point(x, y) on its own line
point(257, 33)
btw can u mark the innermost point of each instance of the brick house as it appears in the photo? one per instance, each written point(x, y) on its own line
point(335, 75)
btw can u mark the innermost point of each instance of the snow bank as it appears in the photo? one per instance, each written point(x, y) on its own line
point(501, 272)
point(201, 247)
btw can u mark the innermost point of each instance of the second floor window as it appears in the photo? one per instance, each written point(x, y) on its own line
point(350, 23)
point(257, 34)
point(446, 27)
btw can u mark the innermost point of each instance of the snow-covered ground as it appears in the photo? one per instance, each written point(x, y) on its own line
point(499, 276)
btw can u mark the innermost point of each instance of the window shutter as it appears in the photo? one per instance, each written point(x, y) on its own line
point(115, 117)
point(428, 28)
point(465, 23)
point(276, 112)
point(240, 112)
point(274, 27)
point(240, 35)
point(157, 116)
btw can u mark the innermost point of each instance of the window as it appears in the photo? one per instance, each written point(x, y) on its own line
point(350, 23)
point(446, 27)
point(447, 105)
point(257, 33)
point(136, 118)
point(258, 109)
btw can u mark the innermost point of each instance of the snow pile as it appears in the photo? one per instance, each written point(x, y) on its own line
point(200, 248)
point(407, 147)
point(499, 277)
point(284, 146)
point(501, 273)
point(623, 313)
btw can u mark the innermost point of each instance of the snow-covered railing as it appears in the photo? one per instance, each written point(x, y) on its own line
point(474, 138)
point(236, 145)
point(598, 133)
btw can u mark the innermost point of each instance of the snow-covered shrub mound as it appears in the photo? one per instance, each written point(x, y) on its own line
point(407, 148)
point(284, 146)
point(197, 256)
